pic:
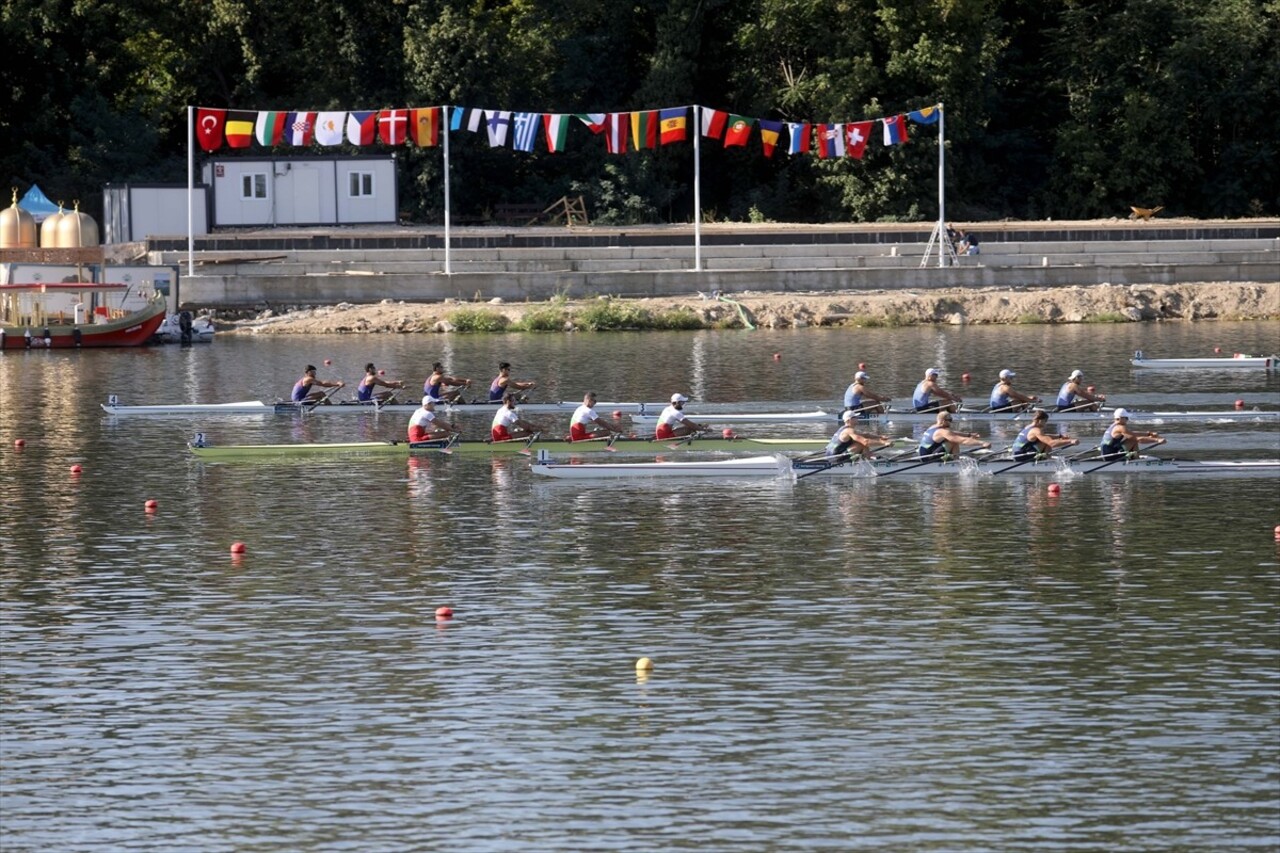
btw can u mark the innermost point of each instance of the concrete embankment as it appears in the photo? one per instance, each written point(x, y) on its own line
point(275, 268)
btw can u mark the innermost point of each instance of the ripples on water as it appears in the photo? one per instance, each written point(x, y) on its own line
point(958, 664)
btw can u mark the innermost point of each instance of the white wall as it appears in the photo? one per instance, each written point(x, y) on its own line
point(301, 191)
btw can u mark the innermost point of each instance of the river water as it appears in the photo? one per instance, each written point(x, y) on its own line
point(960, 664)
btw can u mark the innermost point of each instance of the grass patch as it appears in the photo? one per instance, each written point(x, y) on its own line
point(478, 320)
point(1031, 320)
point(678, 319)
point(1107, 317)
point(888, 321)
point(543, 320)
point(609, 316)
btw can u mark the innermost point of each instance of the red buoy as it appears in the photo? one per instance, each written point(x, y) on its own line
point(76, 469)
point(237, 548)
point(777, 356)
point(1278, 531)
point(19, 443)
point(862, 365)
point(328, 361)
point(1239, 404)
point(382, 373)
point(727, 432)
point(1055, 489)
point(1090, 389)
point(617, 414)
point(1217, 349)
point(444, 613)
point(964, 377)
point(151, 506)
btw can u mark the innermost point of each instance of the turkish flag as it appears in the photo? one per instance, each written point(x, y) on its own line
point(209, 124)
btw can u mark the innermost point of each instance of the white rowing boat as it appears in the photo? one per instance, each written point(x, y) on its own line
point(257, 407)
point(815, 416)
point(1239, 361)
point(775, 466)
point(980, 415)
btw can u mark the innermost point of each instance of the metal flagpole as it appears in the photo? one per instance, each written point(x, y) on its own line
point(191, 190)
point(942, 193)
point(447, 120)
point(697, 188)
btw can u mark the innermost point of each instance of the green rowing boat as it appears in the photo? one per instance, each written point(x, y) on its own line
point(557, 446)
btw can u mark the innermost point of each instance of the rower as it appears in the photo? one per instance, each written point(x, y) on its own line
point(1070, 395)
point(861, 398)
point(1005, 399)
point(507, 423)
point(674, 423)
point(922, 400)
point(502, 383)
point(304, 390)
point(586, 424)
point(365, 392)
point(438, 380)
point(940, 443)
point(425, 425)
point(1118, 441)
point(1033, 442)
point(847, 441)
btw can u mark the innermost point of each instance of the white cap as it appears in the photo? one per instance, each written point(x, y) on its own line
point(1005, 374)
point(861, 374)
point(849, 415)
point(1077, 374)
point(679, 398)
point(932, 371)
point(1120, 413)
point(428, 399)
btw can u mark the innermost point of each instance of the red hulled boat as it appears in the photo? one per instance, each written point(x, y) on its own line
point(71, 315)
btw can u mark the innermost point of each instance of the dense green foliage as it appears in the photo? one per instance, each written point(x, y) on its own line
point(1064, 109)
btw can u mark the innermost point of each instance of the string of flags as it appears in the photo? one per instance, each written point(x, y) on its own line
point(622, 132)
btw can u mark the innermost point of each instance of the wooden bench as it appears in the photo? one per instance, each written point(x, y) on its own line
point(506, 213)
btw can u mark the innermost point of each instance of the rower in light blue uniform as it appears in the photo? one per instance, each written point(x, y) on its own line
point(939, 443)
point(862, 399)
point(922, 400)
point(847, 442)
point(1005, 399)
point(1071, 394)
point(1118, 441)
point(1032, 442)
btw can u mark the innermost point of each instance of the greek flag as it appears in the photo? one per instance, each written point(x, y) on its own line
point(526, 131)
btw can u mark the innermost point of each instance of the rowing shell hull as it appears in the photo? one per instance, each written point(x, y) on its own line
point(255, 407)
point(622, 445)
point(773, 466)
point(1244, 363)
point(1143, 465)
point(1105, 417)
point(756, 466)
point(818, 416)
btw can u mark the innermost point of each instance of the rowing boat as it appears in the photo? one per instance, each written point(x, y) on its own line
point(986, 416)
point(815, 416)
point(256, 407)
point(1236, 362)
point(559, 446)
point(774, 466)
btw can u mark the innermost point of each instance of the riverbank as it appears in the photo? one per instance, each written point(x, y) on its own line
point(955, 306)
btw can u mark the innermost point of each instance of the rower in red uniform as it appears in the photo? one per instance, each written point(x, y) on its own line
point(507, 423)
point(674, 423)
point(586, 424)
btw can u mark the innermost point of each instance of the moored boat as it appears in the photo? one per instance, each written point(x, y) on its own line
point(73, 316)
point(559, 446)
point(1239, 361)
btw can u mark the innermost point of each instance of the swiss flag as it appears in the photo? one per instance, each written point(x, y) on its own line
point(393, 126)
point(856, 135)
point(209, 124)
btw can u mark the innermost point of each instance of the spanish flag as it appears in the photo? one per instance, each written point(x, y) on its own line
point(240, 127)
point(672, 125)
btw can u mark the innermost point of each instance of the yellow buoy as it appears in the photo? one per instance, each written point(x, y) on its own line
point(644, 665)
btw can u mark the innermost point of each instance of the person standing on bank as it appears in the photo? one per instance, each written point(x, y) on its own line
point(968, 243)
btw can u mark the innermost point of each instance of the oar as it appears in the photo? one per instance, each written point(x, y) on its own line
point(308, 405)
point(686, 439)
point(930, 461)
point(528, 443)
point(832, 462)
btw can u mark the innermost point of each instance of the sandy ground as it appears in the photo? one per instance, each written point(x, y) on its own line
point(1136, 303)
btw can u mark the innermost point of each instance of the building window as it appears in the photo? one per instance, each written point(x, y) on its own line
point(253, 185)
point(360, 184)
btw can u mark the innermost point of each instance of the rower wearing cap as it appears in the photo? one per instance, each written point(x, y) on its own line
point(426, 425)
point(847, 441)
point(1118, 441)
point(371, 380)
point(1033, 442)
point(438, 380)
point(502, 383)
point(507, 424)
point(674, 423)
point(862, 399)
point(586, 424)
point(939, 442)
point(1005, 399)
point(304, 389)
point(1071, 393)
point(922, 400)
